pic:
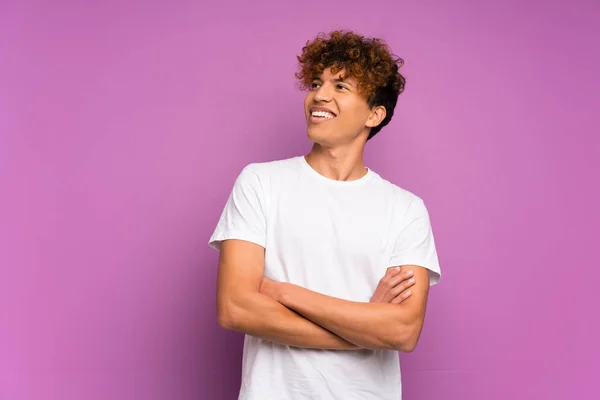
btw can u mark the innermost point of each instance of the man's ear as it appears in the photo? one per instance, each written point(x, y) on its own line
point(377, 115)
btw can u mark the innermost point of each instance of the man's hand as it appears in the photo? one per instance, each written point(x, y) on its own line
point(394, 287)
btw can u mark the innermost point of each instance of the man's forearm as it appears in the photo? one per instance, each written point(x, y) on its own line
point(263, 317)
point(368, 325)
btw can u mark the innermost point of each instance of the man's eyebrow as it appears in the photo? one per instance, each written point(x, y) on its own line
point(343, 81)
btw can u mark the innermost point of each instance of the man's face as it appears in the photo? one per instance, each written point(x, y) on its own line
point(336, 114)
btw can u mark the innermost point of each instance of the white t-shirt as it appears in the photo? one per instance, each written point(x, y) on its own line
point(333, 237)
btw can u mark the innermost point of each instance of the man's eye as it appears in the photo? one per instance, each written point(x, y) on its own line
point(314, 85)
point(342, 87)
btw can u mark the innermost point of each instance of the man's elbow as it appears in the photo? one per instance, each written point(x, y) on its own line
point(408, 337)
point(407, 345)
point(225, 320)
point(228, 315)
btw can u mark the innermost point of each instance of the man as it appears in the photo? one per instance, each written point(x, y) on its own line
point(323, 264)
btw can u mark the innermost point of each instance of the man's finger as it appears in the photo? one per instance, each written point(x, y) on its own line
point(393, 277)
point(391, 272)
point(397, 279)
point(399, 288)
point(401, 297)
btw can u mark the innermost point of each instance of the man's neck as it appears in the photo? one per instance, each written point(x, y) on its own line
point(342, 164)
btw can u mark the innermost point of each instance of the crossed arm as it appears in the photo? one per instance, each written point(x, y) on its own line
point(295, 316)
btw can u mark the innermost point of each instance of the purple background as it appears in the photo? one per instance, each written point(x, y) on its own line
point(123, 127)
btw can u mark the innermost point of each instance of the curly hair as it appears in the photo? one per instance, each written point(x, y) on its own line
point(369, 60)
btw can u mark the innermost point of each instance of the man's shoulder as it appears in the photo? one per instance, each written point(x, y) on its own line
point(399, 195)
point(266, 169)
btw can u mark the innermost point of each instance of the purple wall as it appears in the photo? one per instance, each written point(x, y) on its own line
point(123, 127)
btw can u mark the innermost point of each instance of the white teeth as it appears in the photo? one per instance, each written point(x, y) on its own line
point(324, 114)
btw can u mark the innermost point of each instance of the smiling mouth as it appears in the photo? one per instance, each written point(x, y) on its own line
point(321, 116)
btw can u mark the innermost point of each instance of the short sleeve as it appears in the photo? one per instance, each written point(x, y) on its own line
point(415, 244)
point(244, 216)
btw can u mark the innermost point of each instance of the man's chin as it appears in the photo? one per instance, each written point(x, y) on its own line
point(316, 137)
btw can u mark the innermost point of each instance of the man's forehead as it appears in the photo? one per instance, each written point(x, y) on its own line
point(339, 75)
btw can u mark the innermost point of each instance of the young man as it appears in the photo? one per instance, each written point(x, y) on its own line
point(323, 264)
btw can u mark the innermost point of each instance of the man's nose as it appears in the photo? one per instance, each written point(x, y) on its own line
point(323, 93)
